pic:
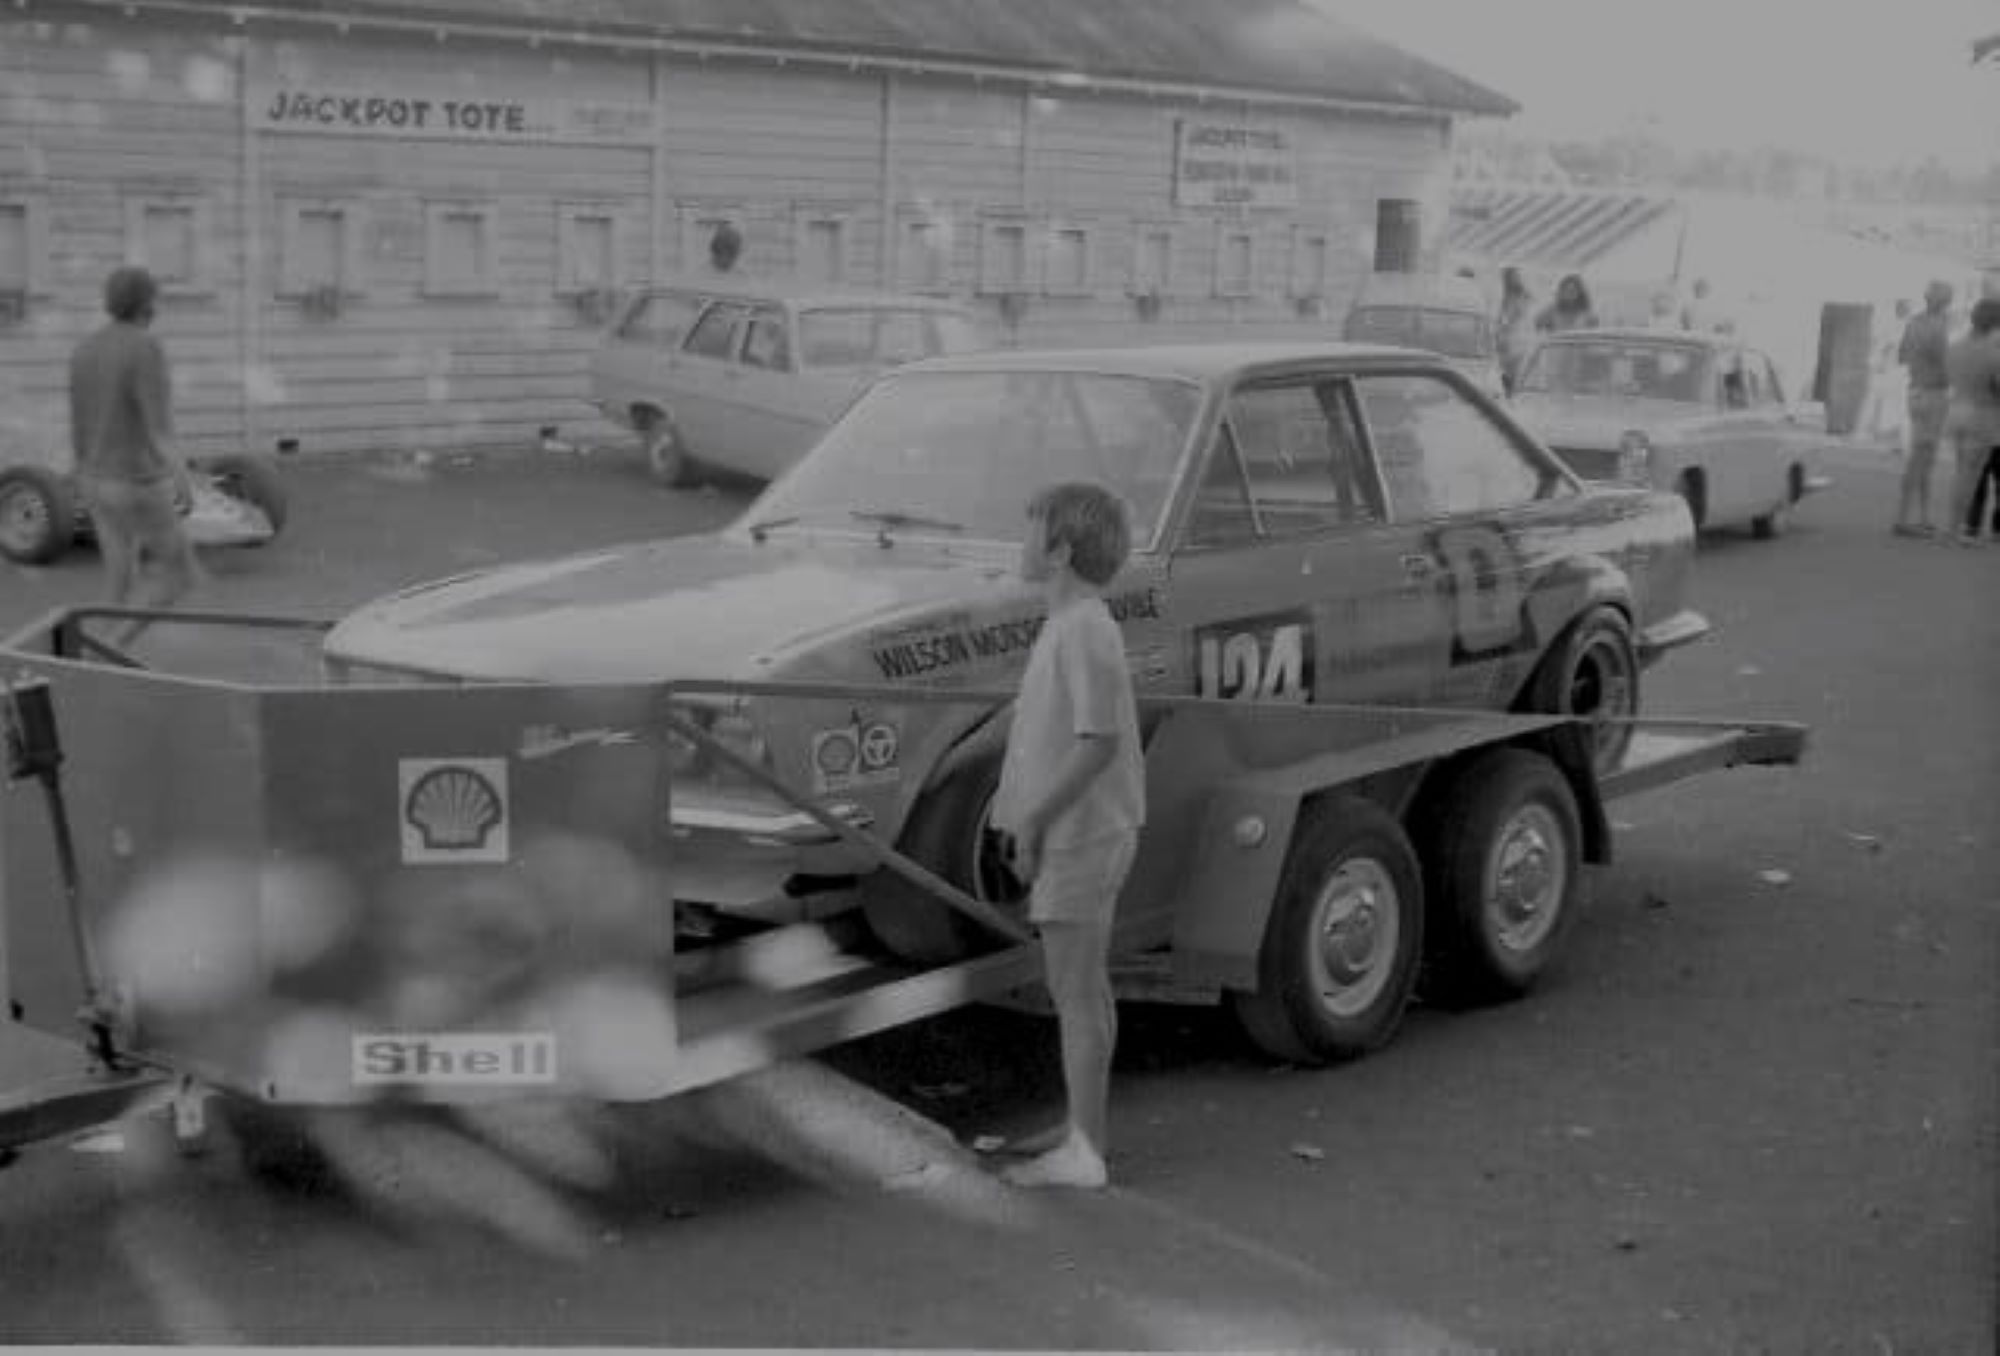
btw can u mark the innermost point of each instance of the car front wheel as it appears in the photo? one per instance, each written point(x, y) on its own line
point(950, 832)
point(37, 515)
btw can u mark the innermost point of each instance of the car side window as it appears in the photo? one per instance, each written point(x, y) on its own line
point(714, 334)
point(1735, 382)
point(1441, 454)
point(1302, 456)
point(660, 320)
point(766, 345)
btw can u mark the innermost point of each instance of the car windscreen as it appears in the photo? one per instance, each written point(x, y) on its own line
point(971, 448)
point(1455, 334)
point(868, 336)
point(1633, 368)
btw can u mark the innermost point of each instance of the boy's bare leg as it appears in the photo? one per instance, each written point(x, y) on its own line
point(1079, 980)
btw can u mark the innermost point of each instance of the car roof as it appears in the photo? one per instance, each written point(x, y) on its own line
point(1188, 361)
point(779, 291)
point(1421, 290)
point(1644, 334)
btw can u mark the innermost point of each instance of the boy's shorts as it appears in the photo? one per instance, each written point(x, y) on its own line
point(1080, 884)
point(140, 516)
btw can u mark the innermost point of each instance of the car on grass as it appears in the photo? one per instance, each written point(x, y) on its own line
point(1447, 316)
point(1702, 415)
point(743, 376)
point(236, 500)
point(1311, 523)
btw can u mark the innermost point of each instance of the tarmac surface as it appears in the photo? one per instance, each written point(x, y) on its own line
point(1752, 1109)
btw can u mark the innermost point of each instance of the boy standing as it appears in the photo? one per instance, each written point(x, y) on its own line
point(1072, 797)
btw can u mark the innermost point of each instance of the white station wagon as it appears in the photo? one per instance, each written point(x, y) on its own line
point(745, 376)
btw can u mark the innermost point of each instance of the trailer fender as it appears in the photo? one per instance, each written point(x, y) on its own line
point(1246, 834)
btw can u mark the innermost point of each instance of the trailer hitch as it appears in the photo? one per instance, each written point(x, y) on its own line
point(33, 750)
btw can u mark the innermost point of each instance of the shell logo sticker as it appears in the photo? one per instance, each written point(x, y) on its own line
point(856, 757)
point(453, 810)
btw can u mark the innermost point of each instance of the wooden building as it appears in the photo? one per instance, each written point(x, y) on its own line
point(402, 222)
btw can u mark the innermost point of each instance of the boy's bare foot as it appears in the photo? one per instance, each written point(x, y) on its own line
point(1073, 1163)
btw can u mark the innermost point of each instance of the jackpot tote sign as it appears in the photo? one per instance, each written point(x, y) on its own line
point(1234, 164)
point(411, 110)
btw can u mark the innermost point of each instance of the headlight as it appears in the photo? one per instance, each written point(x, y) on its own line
point(1635, 457)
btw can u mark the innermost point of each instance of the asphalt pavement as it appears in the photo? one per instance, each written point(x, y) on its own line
point(1752, 1109)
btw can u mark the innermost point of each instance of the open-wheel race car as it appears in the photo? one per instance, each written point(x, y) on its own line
point(237, 500)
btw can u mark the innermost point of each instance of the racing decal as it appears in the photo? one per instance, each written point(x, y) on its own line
point(1488, 617)
point(1260, 659)
point(856, 757)
point(452, 1059)
point(453, 810)
point(933, 647)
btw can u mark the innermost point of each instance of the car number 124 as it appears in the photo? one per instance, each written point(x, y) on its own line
point(1267, 659)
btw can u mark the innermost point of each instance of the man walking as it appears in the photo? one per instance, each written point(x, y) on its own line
point(1974, 419)
point(121, 431)
point(1922, 352)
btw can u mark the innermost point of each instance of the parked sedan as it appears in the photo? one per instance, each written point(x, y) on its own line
point(1448, 316)
point(744, 377)
point(1311, 523)
point(1703, 415)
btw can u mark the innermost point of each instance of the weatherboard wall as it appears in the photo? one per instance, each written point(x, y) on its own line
point(832, 173)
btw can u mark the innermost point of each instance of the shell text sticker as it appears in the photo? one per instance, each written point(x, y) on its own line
point(453, 810)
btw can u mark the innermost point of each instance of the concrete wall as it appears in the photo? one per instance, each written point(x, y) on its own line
point(456, 319)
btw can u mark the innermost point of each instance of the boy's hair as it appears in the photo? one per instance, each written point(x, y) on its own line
point(1091, 521)
point(129, 293)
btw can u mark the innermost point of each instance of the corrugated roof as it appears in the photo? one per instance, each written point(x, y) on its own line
point(1545, 229)
point(1280, 47)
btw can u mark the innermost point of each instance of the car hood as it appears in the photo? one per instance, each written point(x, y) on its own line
point(690, 607)
point(1597, 421)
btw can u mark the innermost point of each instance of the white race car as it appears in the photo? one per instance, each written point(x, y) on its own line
point(238, 500)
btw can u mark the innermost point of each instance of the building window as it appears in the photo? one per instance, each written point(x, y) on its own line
point(820, 239)
point(1070, 268)
point(170, 237)
point(924, 254)
point(587, 249)
point(461, 254)
point(1004, 258)
point(319, 247)
point(1311, 257)
point(1398, 235)
point(1235, 262)
point(24, 246)
point(699, 223)
point(1152, 260)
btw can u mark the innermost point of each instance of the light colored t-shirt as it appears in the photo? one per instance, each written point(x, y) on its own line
point(1077, 683)
point(120, 401)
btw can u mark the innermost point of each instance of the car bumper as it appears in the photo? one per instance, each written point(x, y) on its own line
point(1682, 628)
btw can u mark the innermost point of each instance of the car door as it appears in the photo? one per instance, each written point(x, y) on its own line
point(1739, 447)
point(1793, 443)
point(702, 379)
point(1480, 514)
point(775, 420)
point(1287, 580)
point(634, 366)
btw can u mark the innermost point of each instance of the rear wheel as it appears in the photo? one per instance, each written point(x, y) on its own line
point(1341, 949)
point(950, 831)
point(1593, 672)
point(1691, 489)
point(37, 515)
point(666, 451)
point(254, 481)
point(1502, 857)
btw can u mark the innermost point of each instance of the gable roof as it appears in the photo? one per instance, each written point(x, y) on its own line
point(1275, 47)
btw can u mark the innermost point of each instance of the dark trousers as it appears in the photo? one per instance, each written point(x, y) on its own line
point(1989, 477)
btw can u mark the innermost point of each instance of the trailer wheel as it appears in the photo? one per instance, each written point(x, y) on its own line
point(950, 832)
point(1592, 671)
point(1342, 947)
point(1502, 857)
point(254, 481)
point(37, 515)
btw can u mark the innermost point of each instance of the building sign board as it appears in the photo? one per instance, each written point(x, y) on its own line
point(1234, 164)
point(404, 111)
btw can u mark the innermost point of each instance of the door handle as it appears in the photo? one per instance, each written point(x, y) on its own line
point(1418, 566)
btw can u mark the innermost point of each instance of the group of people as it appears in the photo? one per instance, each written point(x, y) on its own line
point(1954, 400)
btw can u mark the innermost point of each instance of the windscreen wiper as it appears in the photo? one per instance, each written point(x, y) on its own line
point(889, 521)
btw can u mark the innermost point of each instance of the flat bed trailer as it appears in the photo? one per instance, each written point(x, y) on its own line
point(231, 878)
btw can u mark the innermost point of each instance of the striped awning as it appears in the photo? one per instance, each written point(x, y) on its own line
point(1545, 229)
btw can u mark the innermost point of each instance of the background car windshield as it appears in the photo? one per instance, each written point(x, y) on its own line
point(1455, 334)
point(971, 448)
point(1603, 368)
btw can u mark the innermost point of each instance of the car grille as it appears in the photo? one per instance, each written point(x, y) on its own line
point(1592, 463)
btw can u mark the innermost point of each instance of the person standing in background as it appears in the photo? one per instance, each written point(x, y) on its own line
point(1571, 310)
point(1887, 388)
point(725, 248)
point(128, 473)
point(1922, 354)
point(1514, 326)
point(1973, 420)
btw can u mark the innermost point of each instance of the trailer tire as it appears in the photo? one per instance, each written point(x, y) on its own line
point(1592, 671)
point(1502, 859)
point(1342, 947)
point(948, 832)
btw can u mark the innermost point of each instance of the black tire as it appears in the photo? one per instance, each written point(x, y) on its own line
point(948, 833)
point(665, 450)
point(254, 481)
point(1691, 489)
point(37, 515)
point(1502, 857)
point(1338, 960)
point(275, 1145)
point(1592, 671)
